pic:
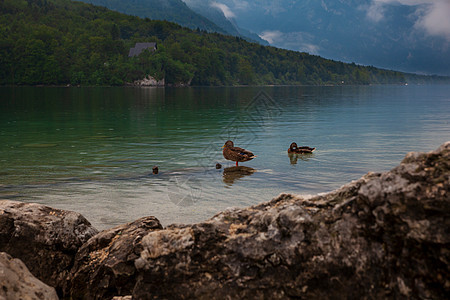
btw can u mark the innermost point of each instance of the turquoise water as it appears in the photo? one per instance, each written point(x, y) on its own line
point(92, 150)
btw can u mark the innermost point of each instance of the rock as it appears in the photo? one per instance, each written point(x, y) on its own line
point(16, 281)
point(383, 236)
point(104, 266)
point(45, 239)
point(149, 81)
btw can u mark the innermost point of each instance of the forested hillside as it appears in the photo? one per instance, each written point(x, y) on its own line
point(208, 19)
point(169, 10)
point(61, 42)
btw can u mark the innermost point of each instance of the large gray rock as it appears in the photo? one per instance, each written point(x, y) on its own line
point(45, 239)
point(104, 266)
point(16, 282)
point(149, 81)
point(383, 236)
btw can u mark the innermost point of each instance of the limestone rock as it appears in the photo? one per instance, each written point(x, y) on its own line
point(149, 81)
point(45, 239)
point(104, 266)
point(383, 236)
point(16, 281)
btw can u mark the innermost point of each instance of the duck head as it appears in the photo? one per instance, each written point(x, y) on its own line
point(228, 144)
point(293, 146)
point(155, 170)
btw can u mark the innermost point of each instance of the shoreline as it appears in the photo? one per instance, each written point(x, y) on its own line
point(373, 237)
point(223, 86)
point(185, 86)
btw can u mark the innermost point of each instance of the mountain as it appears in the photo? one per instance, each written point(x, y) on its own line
point(209, 19)
point(411, 36)
point(66, 42)
point(219, 15)
point(170, 10)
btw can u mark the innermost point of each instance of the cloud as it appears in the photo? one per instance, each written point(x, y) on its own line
point(239, 4)
point(433, 16)
point(375, 12)
point(272, 7)
point(310, 48)
point(271, 36)
point(225, 9)
point(298, 41)
point(436, 20)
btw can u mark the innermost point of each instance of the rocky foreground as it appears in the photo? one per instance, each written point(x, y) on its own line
point(383, 236)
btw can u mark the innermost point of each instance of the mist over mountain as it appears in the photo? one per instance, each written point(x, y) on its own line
point(406, 35)
point(205, 17)
point(170, 10)
point(221, 16)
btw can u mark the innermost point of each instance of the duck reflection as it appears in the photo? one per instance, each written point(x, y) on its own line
point(232, 174)
point(293, 157)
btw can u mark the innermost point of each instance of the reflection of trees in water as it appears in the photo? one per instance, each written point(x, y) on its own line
point(231, 174)
point(293, 157)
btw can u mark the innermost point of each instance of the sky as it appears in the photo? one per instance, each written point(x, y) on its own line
point(406, 35)
point(431, 16)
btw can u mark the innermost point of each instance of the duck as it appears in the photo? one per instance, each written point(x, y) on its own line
point(155, 170)
point(235, 153)
point(300, 150)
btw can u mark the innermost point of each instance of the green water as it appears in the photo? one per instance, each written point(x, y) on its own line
point(92, 149)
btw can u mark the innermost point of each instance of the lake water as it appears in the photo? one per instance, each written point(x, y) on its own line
point(92, 150)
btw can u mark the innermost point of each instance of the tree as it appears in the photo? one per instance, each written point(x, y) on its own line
point(62, 41)
point(246, 75)
point(115, 32)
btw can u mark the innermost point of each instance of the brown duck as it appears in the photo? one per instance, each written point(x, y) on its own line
point(300, 150)
point(236, 154)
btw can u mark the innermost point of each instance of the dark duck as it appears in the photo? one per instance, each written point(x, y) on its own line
point(294, 149)
point(236, 154)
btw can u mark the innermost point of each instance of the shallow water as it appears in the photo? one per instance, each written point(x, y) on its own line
point(92, 150)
